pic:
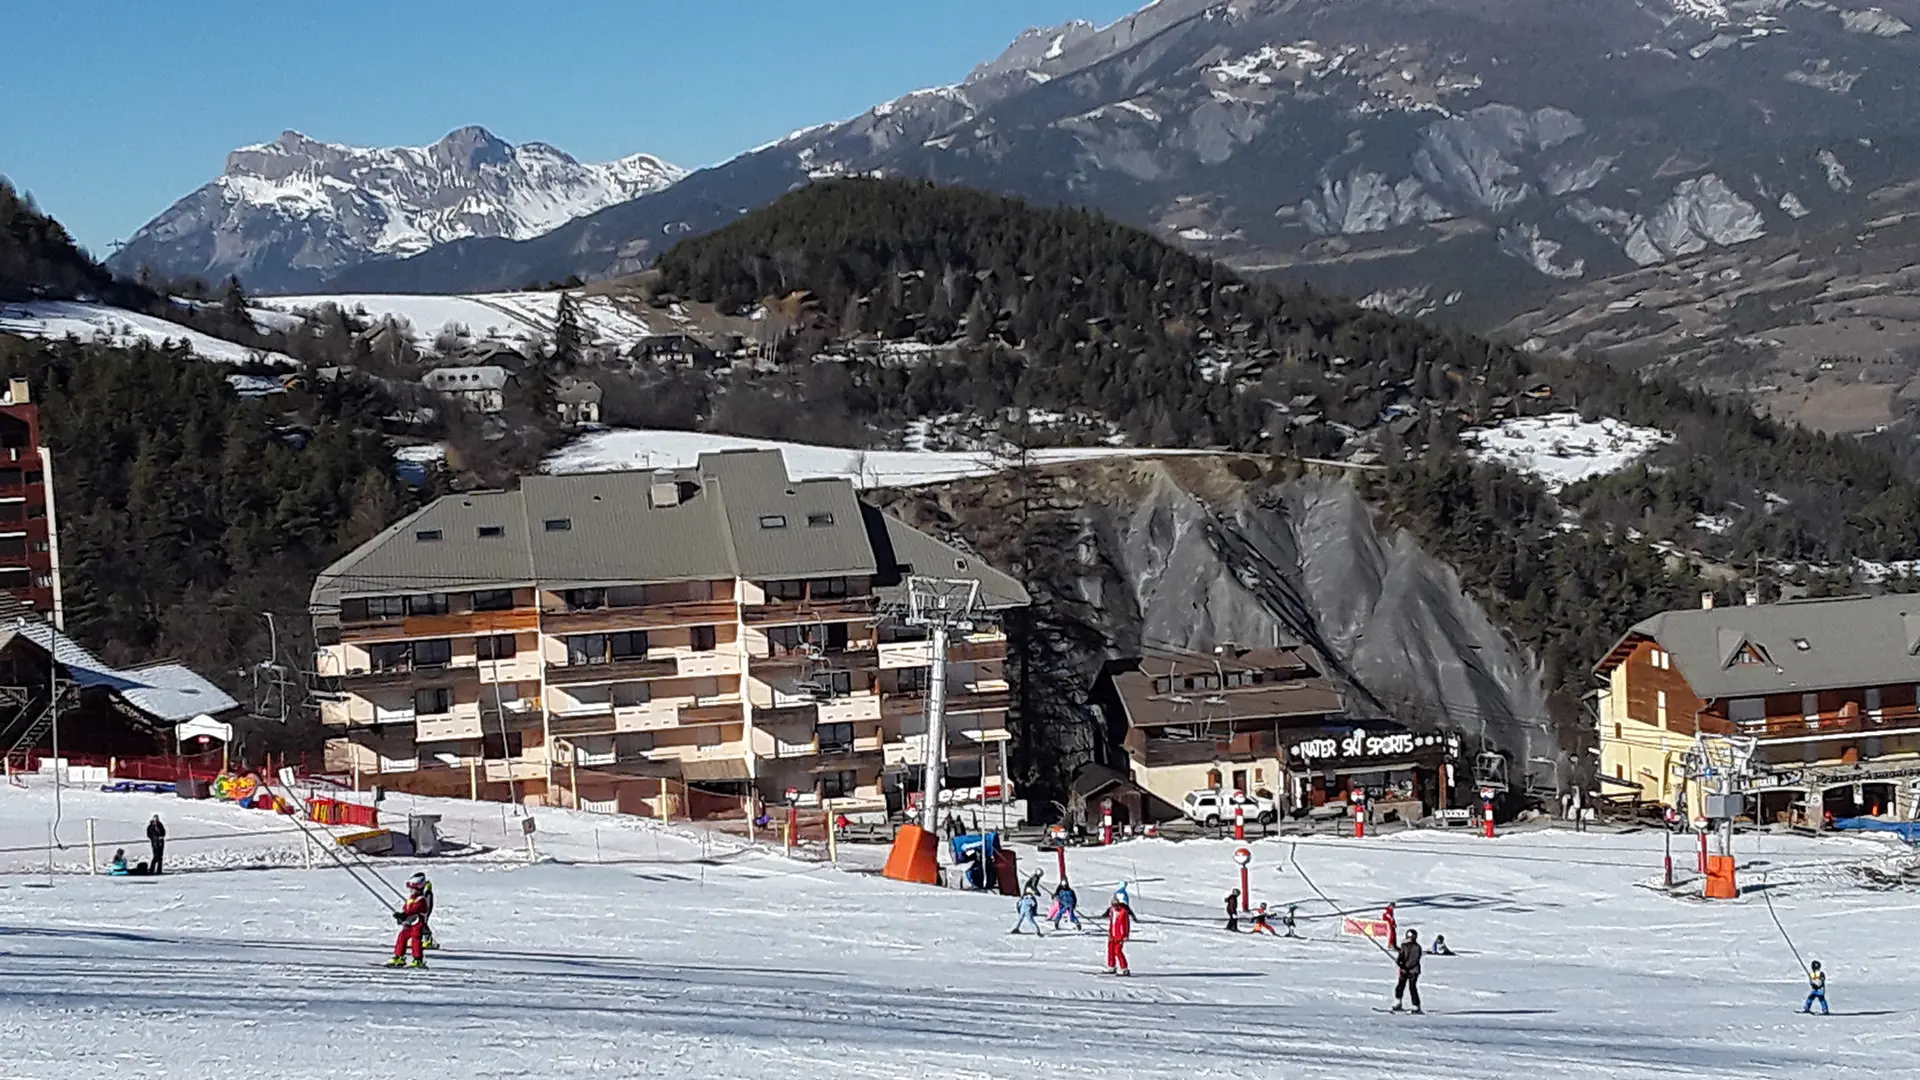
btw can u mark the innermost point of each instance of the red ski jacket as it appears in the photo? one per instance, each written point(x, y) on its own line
point(1120, 926)
point(418, 906)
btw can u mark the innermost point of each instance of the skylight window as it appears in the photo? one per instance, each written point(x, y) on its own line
point(1802, 644)
point(559, 524)
point(773, 521)
point(427, 536)
point(491, 532)
point(820, 520)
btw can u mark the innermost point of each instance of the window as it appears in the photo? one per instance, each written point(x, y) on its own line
point(912, 680)
point(840, 784)
point(1750, 654)
point(786, 590)
point(1751, 710)
point(706, 738)
point(559, 524)
point(495, 647)
point(427, 536)
point(786, 640)
point(1163, 685)
point(1661, 659)
point(435, 653)
point(819, 520)
point(827, 587)
point(36, 512)
point(499, 746)
point(43, 581)
point(1810, 708)
point(627, 645)
point(835, 737)
point(392, 656)
point(632, 693)
point(1617, 736)
point(1872, 704)
point(587, 649)
point(13, 511)
point(34, 477)
point(386, 607)
point(834, 683)
point(493, 600)
point(490, 532)
point(9, 478)
point(433, 701)
point(1660, 708)
point(773, 521)
point(427, 604)
point(704, 638)
point(585, 599)
point(40, 547)
point(13, 545)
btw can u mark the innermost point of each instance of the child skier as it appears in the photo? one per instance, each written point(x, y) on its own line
point(1817, 989)
point(426, 917)
point(118, 867)
point(1233, 912)
point(1288, 920)
point(1440, 946)
point(1029, 907)
point(1065, 906)
point(1407, 959)
point(1260, 922)
point(413, 923)
point(1119, 929)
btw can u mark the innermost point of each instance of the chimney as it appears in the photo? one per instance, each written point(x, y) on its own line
point(1706, 601)
point(17, 393)
point(665, 490)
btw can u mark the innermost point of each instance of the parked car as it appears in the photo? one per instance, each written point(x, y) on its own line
point(1210, 808)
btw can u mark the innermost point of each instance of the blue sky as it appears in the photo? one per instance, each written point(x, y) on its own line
point(115, 109)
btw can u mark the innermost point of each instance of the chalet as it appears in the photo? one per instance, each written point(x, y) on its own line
point(676, 350)
point(577, 400)
point(1812, 701)
point(481, 386)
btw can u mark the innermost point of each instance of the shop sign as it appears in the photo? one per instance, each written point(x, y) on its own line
point(1361, 743)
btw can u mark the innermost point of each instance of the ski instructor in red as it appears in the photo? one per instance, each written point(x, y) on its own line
point(1119, 929)
point(413, 922)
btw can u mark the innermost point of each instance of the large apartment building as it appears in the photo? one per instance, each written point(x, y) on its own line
point(582, 639)
point(29, 532)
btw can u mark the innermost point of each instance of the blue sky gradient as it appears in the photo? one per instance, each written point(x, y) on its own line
point(115, 109)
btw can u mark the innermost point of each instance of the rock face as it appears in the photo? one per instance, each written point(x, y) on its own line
point(1194, 553)
point(286, 214)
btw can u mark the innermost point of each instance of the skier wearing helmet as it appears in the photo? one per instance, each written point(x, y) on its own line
point(413, 922)
point(419, 881)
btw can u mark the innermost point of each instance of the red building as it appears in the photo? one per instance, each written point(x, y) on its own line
point(29, 539)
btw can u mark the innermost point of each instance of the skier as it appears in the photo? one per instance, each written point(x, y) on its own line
point(1033, 885)
point(426, 916)
point(1288, 920)
point(1029, 907)
point(157, 836)
point(1260, 922)
point(1065, 906)
point(1120, 895)
point(1393, 927)
point(1233, 912)
point(1440, 946)
point(1817, 989)
point(413, 923)
point(1407, 959)
point(118, 867)
point(1119, 929)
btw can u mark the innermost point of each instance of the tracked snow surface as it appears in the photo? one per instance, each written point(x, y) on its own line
point(505, 317)
point(1562, 448)
point(118, 326)
point(639, 950)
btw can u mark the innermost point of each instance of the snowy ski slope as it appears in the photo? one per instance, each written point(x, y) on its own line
point(644, 448)
point(509, 317)
point(118, 326)
point(678, 958)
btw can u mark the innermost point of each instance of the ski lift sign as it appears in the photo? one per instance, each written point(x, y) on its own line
point(1242, 856)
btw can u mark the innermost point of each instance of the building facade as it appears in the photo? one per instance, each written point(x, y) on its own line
point(585, 638)
point(1813, 702)
point(29, 526)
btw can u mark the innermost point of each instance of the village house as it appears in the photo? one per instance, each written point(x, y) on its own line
point(1816, 699)
point(483, 387)
point(577, 400)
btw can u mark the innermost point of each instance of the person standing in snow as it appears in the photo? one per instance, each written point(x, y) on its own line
point(1119, 929)
point(413, 923)
point(157, 836)
point(1233, 912)
point(1029, 907)
point(1287, 920)
point(1065, 906)
point(1816, 989)
point(426, 916)
point(1407, 959)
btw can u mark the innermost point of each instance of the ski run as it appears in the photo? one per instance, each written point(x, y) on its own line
point(634, 949)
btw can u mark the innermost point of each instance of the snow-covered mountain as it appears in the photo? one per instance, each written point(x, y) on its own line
point(289, 213)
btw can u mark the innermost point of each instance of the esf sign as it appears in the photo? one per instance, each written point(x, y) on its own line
point(1361, 743)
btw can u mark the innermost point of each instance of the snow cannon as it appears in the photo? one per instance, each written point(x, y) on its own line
point(915, 856)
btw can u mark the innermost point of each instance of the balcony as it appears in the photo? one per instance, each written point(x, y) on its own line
point(1892, 719)
point(712, 713)
point(720, 661)
point(521, 667)
point(399, 678)
point(851, 709)
point(612, 671)
point(911, 654)
point(798, 612)
point(461, 624)
point(462, 724)
point(594, 721)
point(649, 717)
point(647, 617)
point(980, 698)
point(516, 770)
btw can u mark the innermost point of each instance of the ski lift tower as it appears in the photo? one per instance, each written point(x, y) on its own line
point(942, 606)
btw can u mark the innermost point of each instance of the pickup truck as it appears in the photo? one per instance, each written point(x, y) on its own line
point(1211, 808)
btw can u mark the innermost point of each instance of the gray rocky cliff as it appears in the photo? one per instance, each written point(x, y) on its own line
point(1191, 553)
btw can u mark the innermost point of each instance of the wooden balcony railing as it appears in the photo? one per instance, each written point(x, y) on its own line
point(455, 624)
point(611, 671)
point(647, 617)
point(796, 612)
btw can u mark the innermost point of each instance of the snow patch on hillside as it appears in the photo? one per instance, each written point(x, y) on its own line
point(118, 326)
point(508, 317)
point(623, 449)
point(1562, 448)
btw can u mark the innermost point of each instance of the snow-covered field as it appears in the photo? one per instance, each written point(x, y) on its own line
point(1562, 448)
point(634, 448)
point(677, 956)
point(509, 317)
point(99, 322)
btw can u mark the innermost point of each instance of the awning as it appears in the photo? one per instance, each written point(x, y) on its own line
point(204, 725)
point(694, 772)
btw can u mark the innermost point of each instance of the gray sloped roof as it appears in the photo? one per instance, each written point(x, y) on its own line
point(472, 377)
point(605, 529)
point(1850, 641)
point(170, 692)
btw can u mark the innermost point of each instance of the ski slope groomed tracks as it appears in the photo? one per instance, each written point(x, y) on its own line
point(687, 959)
